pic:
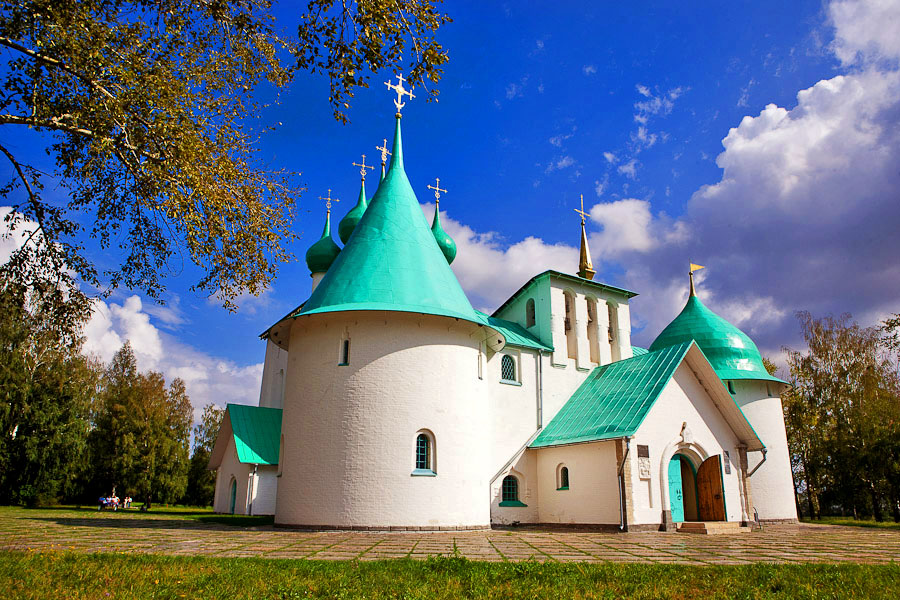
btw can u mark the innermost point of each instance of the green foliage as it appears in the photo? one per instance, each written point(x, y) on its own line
point(201, 484)
point(43, 575)
point(146, 108)
point(843, 419)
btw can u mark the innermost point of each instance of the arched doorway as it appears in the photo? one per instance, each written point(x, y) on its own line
point(233, 495)
point(682, 489)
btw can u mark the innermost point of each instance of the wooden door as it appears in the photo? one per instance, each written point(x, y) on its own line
point(676, 495)
point(709, 489)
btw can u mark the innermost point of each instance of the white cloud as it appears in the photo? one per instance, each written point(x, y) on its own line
point(589, 69)
point(642, 138)
point(600, 185)
point(557, 140)
point(865, 31)
point(629, 169)
point(513, 90)
point(559, 163)
point(628, 226)
point(643, 90)
point(610, 157)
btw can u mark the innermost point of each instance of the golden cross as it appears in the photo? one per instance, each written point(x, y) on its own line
point(401, 91)
point(384, 152)
point(581, 212)
point(363, 167)
point(328, 200)
point(437, 190)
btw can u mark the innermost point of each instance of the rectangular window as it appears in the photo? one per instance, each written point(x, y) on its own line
point(345, 353)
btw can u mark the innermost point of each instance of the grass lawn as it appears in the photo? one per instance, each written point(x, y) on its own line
point(851, 522)
point(189, 513)
point(67, 575)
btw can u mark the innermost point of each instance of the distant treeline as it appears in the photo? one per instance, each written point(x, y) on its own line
point(843, 418)
point(73, 429)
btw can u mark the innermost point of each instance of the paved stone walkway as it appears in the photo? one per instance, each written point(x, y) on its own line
point(161, 534)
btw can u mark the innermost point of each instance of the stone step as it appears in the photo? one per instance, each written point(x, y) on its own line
point(712, 527)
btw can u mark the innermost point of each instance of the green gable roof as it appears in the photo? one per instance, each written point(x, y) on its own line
point(392, 261)
point(257, 433)
point(638, 351)
point(614, 399)
point(566, 277)
point(729, 350)
point(515, 334)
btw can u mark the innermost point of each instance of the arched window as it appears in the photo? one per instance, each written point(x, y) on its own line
point(730, 387)
point(563, 478)
point(508, 368)
point(510, 489)
point(571, 340)
point(593, 330)
point(529, 313)
point(613, 332)
point(424, 454)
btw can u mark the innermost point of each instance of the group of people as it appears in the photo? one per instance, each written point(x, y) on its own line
point(114, 502)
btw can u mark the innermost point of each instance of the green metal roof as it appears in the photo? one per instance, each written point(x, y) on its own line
point(443, 239)
point(515, 334)
point(257, 433)
point(729, 350)
point(351, 219)
point(638, 351)
point(566, 276)
point(321, 255)
point(614, 399)
point(392, 261)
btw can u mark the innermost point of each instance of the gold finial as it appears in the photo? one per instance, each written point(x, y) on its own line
point(384, 152)
point(401, 91)
point(437, 191)
point(581, 212)
point(328, 200)
point(691, 274)
point(585, 266)
point(363, 167)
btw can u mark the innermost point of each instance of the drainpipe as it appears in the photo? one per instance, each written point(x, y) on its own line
point(622, 485)
point(764, 451)
point(540, 398)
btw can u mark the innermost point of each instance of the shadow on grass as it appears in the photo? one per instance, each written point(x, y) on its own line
point(850, 522)
point(150, 520)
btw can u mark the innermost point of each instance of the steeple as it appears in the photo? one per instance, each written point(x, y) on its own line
point(323, 253)
point(348, 223)
point(585, 266)
point(443, 239)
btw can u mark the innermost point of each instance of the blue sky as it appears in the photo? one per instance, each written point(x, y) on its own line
point(759, 139)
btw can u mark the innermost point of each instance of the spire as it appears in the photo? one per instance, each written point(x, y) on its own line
point(397, 148)
point(348, 223)
point(585, 266)
point(323, 253)
point(444, 241)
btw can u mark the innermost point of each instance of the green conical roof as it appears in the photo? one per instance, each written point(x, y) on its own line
point(730, 351)
point(392, 261)
point(348, 223)
point(443, 239)
point(321, 255)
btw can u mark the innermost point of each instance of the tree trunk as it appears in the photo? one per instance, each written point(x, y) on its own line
point(876, 503)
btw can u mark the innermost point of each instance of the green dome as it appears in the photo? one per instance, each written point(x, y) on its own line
point(348, 223)
point(321, 254)
point(729, 350)
point(443, 239)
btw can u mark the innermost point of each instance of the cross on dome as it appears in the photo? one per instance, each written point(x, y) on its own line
point(401, 91)
point(384, 152)
point(328, 200)
point(581, 212)
point(437, 190)
point(362, 167)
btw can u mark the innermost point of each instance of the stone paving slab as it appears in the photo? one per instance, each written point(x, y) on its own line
point(50, 530)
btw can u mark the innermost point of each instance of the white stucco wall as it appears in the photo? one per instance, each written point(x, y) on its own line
point(512, 409)
point(350, 430)
point(229, 469)
point(265, 490)
point(524, 468)
point(271, 393)
point(683, 400)
point(593, 494)
point(772, 485)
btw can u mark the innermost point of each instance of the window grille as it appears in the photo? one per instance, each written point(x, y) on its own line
point(510, 489)
point(422, 451)
point(508, 368)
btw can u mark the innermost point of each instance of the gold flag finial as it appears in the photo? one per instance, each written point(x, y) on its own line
point(585, 266)
point(328, 200)
point(363, 166)
point(691, 274)
point(401, 91)
point(437, 191)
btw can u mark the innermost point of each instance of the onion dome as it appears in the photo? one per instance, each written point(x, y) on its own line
point(348, 223)
point(392, 261)
point(322, 254)
point(443, 239)
point(729, 350)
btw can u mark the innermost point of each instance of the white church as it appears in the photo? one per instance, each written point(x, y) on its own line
point(389, 403)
